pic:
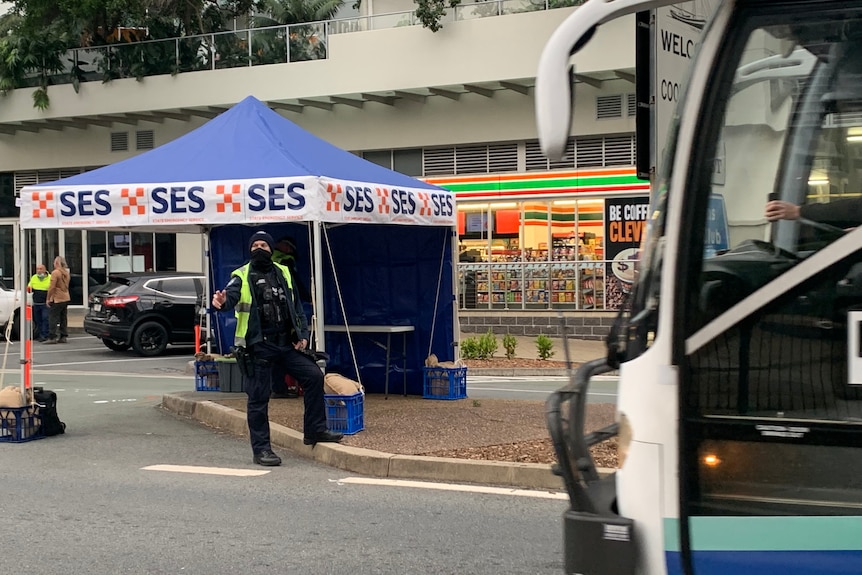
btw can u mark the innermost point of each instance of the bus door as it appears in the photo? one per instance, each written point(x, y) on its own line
point(769, 306)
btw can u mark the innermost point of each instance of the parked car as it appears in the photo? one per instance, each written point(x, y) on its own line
point(145, 311)
point(9, 302)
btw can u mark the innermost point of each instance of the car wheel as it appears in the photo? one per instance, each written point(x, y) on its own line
point(150, 338)
point(115, 345)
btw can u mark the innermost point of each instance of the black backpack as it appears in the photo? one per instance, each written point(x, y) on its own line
point(47, 402)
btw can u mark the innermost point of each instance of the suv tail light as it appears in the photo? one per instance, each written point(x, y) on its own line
point(119, 301)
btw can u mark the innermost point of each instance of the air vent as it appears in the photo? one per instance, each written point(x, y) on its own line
point(439, 161)
point(144, 140)
point(608, 107)
point(536, 160)
point(471, 160)
point(503, 158)
point(589, 152)
point(47, 176)
point(631, 105)
point(568, 159)
point(27, 178)
point(619, 151)
point(119, 141)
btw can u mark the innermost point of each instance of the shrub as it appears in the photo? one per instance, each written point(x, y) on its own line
point(509, 344)
point(470, 348)
point(544, 345)
point(487, 345)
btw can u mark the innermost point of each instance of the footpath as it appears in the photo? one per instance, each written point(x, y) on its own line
point(201, 407)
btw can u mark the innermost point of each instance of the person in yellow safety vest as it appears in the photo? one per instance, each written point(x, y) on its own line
point(285, 254)
point(38, 286)
point(272, 328)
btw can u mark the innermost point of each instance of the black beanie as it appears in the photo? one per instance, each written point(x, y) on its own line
point(256, 236)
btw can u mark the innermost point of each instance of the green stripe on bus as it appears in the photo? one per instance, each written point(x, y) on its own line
point(542, 183)
point(821, 533)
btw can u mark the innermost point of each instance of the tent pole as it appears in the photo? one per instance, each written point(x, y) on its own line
point(456, 323)
point(205, 308)
point(20, 287)
point(318, 285)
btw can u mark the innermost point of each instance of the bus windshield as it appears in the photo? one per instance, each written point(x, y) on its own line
point(782, 169)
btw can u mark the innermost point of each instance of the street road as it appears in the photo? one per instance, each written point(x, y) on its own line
point(133, 489)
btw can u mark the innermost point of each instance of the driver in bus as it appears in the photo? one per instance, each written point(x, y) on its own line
point(846, 213)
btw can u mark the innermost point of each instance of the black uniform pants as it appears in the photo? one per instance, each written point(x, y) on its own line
point(270, 359)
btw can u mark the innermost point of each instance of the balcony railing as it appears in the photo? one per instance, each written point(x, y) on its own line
point(255, 46)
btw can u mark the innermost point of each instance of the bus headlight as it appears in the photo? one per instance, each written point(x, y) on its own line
point(624, 440)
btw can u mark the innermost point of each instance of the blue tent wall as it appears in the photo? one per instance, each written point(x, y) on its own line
point(388, 275)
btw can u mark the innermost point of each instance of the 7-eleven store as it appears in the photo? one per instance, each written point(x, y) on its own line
point(536, 243)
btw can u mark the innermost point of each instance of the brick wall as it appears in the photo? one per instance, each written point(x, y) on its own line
point(580, 325)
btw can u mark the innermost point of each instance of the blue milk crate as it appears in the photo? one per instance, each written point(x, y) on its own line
point(206, 376)
point(19, 424)
point(445, 383)
point(345, 413)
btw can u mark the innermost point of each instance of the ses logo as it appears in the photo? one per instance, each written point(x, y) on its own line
point(177, 200)
point(362, 199)
point(163, 200)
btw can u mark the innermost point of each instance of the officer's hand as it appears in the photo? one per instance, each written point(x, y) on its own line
point(301, 344)
point(219, 297)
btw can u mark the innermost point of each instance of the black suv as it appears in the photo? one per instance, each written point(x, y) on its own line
point(145, 311)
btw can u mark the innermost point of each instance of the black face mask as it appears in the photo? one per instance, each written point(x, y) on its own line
point(261, 258)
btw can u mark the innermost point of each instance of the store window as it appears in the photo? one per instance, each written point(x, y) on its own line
point(97, 250)
point(166, 253)
point(7, 254)
point(565, 254)
point(74, 254)
point(7, 196)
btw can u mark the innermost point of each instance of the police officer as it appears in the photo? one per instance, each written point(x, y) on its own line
point(271, 327)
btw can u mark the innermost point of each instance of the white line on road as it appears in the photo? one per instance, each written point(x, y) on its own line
point(126, 360)
point(544, 391)
point(206, 470)
point(451, 487)
point(113, 400)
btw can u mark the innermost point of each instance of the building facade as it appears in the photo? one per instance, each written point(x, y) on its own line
point(454, 107)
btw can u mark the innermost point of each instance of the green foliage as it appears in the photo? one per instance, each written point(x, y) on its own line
point(430, 12)
point(483, 347)
point(544, 345)
point(477, 403)
point(509, 344)
point(487, 345)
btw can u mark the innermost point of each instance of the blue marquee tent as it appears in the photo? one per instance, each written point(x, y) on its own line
point(379, 244)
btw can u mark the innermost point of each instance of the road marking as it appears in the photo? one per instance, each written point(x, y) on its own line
point(452, 487)
point(126, 360)
point(113, 400)
point(206, 470)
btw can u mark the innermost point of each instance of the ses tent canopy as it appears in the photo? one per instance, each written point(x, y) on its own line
point(380, 243)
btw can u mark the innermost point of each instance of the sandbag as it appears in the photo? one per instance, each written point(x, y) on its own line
point(10, 396)
point(335, 384)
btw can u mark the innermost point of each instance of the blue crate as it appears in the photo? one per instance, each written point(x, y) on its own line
point(19, 424)
point(345, 413)
point(206, 376)
point(445, 383)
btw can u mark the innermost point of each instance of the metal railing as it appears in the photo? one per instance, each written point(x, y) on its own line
point(254, 46)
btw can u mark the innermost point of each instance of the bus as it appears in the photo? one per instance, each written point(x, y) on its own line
point(739, 351)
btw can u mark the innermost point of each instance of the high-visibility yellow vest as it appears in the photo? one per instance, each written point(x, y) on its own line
point(37, 284)
point(243, 306)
